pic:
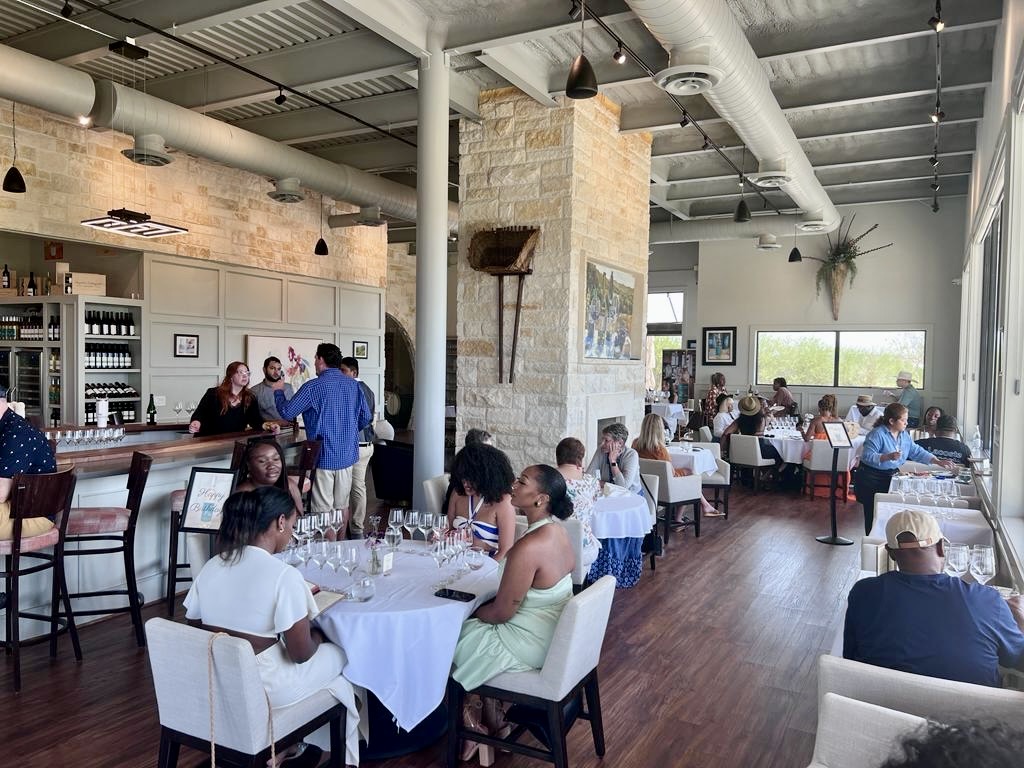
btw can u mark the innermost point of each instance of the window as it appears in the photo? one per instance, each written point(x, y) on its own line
point(991, 352)
point(664, 331)
point(867, 359)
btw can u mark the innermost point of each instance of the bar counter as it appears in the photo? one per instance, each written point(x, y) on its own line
point(102, 477)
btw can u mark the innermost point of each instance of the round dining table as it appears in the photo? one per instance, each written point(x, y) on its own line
point(620, 523)
point(700, 461)
point(400, 644)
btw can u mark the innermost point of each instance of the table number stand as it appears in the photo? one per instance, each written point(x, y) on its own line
point(837, 438)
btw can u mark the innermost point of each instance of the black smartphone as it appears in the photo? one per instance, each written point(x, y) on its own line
point(454, 594)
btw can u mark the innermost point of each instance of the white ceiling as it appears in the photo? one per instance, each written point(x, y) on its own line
point(855, 78)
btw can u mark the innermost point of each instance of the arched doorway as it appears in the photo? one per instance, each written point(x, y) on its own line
point(399, 373)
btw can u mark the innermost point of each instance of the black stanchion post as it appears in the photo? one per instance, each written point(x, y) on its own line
point(835, 538)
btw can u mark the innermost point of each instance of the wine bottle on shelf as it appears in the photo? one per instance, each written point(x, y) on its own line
point(131, 324)
point(122, 324)
point(105, 324)
point(6, 281)
point(30, 290)
point(95, 329)
point(151, 410)
point(56, 329)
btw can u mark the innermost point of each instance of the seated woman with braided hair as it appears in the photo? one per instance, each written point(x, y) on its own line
point(248, 593)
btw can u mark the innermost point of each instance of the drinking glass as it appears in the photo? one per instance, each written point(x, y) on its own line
point(79, 436)
point(349, 558)
point(426, 525)
point(318, 554)
point(335, 521)
point(393, 537)
point(301, 553)
point(899, 486)
point(958, 559)
point(363, 589)
point(475, 558)
point(320, 523)
point(333, 555)
point(983, 563)
point(178, 408)
point(396, 518)
point(412, 522)
point(440, 554)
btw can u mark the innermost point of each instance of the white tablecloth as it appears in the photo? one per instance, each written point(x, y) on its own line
point(789, 443)
point(960, 526)
point(666, 410)
point(697, 460)
point(621, 517)
point(400, 644)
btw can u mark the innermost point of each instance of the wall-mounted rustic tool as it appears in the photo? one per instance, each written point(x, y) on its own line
point(501, 252)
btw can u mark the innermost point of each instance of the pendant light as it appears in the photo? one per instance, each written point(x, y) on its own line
point(794, 255)
point(320, 249)
point(14, 181)
point(581, 82)
point(742, 214)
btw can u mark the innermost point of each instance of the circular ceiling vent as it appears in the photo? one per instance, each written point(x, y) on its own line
point(770, 179)
point(812, 225)
point(286, 191)
point(766, 242)
point(688, 80)
point(148, 150)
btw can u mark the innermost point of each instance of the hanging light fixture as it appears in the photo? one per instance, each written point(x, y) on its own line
point(581, 82)
point(794, 255)
point(742, 213)
point(280, 98)
point(936, 22)
point(320, 249)
point(619, 56)
point(14, 181)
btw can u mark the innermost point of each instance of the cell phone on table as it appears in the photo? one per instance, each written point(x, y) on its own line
point(455, 594)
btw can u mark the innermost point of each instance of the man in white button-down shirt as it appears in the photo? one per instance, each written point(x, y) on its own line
point(864, 413)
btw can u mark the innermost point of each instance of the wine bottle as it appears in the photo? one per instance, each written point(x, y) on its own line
point(31, 289)
point(105, 324)
point(131, 324)
point(6, 277)
point(151, 410)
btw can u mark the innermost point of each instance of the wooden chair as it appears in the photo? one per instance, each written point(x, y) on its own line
point(33, 496)
point(745, 451)
point(673, 491)
point(309, 457)
point(88, 525)
point(569, 672)
point(241, 718)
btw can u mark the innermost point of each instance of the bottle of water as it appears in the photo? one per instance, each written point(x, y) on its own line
point(976, 444)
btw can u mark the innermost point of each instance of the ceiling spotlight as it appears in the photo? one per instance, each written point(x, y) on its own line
point(935, 186)
point(320, 249)
point(14, 182)
point(67, 10)
point(938, 115)
point(280, 98)
point(685, 121)
point(934, 160)
point(742, 213)
point(576, 10)
point(794, 255)
point(619, 55)
point(935, 206)
point(936, 23)
point(707, 145)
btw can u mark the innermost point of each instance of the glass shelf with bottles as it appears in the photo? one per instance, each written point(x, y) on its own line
point(110, 325)
point(30, 327)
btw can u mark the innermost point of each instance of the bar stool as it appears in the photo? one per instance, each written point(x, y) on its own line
point(32, 496)
point(308, 459)
point(88, 525)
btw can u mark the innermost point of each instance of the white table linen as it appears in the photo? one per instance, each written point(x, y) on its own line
point(665, 410)
point(960, 526)
point(789, 443)
point(698, 460)
point(621, 517)
point(401, 643)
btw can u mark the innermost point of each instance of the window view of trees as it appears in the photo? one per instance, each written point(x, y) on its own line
point(869, 359)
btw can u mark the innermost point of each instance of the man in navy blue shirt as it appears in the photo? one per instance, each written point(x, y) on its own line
point(334, 410)
point(920, 620)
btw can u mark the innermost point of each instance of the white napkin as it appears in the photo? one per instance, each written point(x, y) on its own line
point(611, 489)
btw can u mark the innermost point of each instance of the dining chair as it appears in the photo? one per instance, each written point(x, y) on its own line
point(720, 481)
point(434, 490)
point(34, 496)
point(745, 451)
point(705, 434)
point(550, 699)
point(575, 532)
point(208, 688)
point(672, 492)
point(652, 483)
point(820, 463)
point(309, 457)
point(88, 526)
point(855, 734)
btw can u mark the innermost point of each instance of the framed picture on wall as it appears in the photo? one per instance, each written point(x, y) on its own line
point(719, 346)
point(208, 489)
point(691, 343)
point(186, 345)
point(296, 356)
point(609, 321)
point(360, 350)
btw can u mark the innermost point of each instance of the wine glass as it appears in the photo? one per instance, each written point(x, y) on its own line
point(475, 558)
point(958, 559)
point(983, 563)
point(899, 486)
point(321, 523)
point(396, 518)
point(349, 559)
point(426, 525)
point(334, 557)
point(192, 405)
point(335, 522)
point(412, 522)
point(318, 554)
point(178, 408)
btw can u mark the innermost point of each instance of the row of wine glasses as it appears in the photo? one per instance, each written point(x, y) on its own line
point(317, 524)
point(979, 561)
point(412, 520)
point(105, 436)
point(944, 492)
point(782, 422)
point(179, 407)
point(453, 548)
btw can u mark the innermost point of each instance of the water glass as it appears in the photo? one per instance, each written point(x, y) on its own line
point(475, 558)
point(393, 537)
point(363, 589)
point(983, 563)
point(958, 559)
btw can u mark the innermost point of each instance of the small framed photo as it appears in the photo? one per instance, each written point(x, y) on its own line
point(208, 489)
point(691, 343)
point(186, 345)
point(838, 437)
point(719, 346)
point(360, 350)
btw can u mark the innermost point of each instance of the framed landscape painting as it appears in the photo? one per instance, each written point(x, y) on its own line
point(719, 346)
point(608, 313)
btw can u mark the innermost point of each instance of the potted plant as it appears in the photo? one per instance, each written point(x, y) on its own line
point(840, 263)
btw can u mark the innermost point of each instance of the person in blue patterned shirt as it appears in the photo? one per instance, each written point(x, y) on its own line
point(334, 410)
point(23, 448)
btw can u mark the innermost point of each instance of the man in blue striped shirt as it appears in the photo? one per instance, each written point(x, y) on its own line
point(334, 410)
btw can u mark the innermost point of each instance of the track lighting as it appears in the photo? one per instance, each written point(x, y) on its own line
point(742, 213)
point(685, 120)
point(935, 206)
point(575, 10)
point(67, 10)
point(935, 186)
point(619, 56)
point(707, 145)
point(936, 23)
point(581, 82)
point(938, 115)
point(934, 160)
point(280, 98)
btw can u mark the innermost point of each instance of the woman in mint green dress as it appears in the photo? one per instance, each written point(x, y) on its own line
point(512, 633)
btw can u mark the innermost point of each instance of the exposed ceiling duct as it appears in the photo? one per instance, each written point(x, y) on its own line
point(368, 216)
point(148, 150)
point(61, 90)
point(676, 231)
point(696, 31)
point(287, 191)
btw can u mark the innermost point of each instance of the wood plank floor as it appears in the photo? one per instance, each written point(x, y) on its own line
point(710, 662)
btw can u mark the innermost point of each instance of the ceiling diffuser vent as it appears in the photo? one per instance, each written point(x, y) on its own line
point(812, 225)
point(770, 179)
point(286, 191)
point(689, 72)
point(149, 150)
point(766, 242)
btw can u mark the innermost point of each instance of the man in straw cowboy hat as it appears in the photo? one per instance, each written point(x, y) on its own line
point(864, 413)
point(921, 620)
point(908, 397)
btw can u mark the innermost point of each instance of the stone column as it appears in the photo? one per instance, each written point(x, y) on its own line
point(571, 173)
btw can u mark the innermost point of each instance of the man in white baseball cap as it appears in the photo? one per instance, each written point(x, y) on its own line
point(921, 620)
point(908, 396)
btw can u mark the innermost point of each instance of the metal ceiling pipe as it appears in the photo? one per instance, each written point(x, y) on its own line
point(37, 82)
point(677, 231)
point(741, 95)
point(125, 109)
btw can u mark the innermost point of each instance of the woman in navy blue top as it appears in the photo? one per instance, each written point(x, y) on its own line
point(886, 447)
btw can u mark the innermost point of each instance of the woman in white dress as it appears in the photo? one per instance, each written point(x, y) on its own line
point(249, 593)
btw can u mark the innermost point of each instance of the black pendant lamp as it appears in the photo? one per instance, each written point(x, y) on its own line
point(13, 180)
point(320, 249)
point(742, 214)
point(581, 82)
point(794, 255)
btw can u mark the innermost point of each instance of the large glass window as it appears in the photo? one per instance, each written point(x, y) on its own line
point(988, 365)
point(868, 359)
point(664, 331)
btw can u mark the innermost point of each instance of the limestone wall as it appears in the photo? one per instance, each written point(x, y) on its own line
point(567, 171)
point(73, 173)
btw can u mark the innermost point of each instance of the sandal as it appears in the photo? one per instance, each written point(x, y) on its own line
point(714, 513)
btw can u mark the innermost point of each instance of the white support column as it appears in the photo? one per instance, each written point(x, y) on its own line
point(431, 265)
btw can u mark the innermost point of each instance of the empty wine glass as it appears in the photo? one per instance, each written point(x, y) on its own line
point(178, 408)
point(958, 559)
point(334, 555)
point(335, 522)
point(983, 563)
point(397, 517)
point(349, 559)
point(318, 553)
point(426, 525)
point(412, 522)
point(475, 558)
